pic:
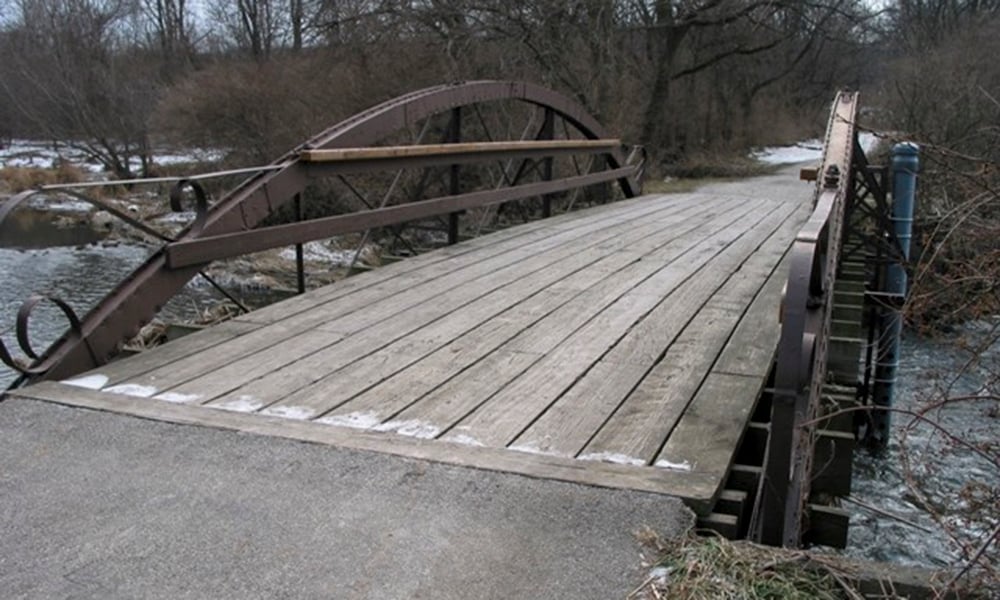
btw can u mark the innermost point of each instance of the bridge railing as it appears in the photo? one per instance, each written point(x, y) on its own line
point(238, 223)
point(836, 321)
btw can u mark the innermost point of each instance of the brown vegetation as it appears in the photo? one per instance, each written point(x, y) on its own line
point(18, 179)
point(113, 77)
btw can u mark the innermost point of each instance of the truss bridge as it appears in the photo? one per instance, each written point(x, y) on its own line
point(535, 312)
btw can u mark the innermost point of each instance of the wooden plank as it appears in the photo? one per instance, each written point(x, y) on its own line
point(177, 382)
point(639, 425)
point(212, 337)
point(439, 410)
point(693, 488)
point(370, 304)
point(511, 264)
point(507, 414)
point(731, 502)
point(568, 424)
point(827, 526)
point(533, 338)
point(334, 316)
point(755, 339)
point(644, 419)
point(326, 380)
point(315, 385)
point(708, 434)
point(376, 152)
point(728, 526)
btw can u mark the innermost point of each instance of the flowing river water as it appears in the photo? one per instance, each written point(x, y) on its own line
point(74, 264)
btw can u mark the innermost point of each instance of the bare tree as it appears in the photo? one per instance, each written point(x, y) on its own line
point(170, 25)
point(66, 77)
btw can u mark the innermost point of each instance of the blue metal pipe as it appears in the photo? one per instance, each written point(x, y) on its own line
point(905, 164)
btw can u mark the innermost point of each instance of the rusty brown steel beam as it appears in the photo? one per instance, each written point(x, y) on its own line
point(206, 249)
point(800, 367)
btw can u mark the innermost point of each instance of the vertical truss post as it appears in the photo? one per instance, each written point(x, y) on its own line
point(547, 132)
point(299, 258)
point(454, 185)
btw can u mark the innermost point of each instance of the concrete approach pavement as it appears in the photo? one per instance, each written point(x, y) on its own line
point(99, 505)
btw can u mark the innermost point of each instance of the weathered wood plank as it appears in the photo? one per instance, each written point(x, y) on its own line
point(427, 150)
point(569, 423)
point(148, 360)
point(755, 339)
point(178, 384)
point(353, 312)
point(315, 385)
point(639, 425)
point(507, 414)
point(728, 526)
point(832, 458)
point(601, 283)
point(828, 525)
point(376, 308)
point(647, 342)
point(707, 437)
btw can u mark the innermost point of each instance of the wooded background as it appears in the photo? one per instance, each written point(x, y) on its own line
point(683, 77)
point(695, 81)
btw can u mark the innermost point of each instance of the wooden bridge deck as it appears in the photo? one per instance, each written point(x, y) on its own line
point(622, 346)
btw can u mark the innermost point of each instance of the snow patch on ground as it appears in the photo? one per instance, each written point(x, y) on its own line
point(672, 466)
point(183, 217)
point(178, 398)
point(660, 575)
point(320, 252)
point(806, 151)
point(300, 413)
point(613, 457)
point(42, 155)
point(412, 428)
point(809, 150)
point(243, 403)
point(63, 205)
point(132, 389)
point(91, 382)
point(358, 420)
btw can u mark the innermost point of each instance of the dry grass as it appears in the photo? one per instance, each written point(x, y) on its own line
point(713, 568)
point(696, 171)
point(18, 179)
point(674, 185)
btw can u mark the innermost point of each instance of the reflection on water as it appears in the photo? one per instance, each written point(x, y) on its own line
point(79, 276)
point(25, 229)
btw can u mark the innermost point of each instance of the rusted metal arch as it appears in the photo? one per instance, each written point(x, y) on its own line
point(800, 368)
point(135, 301)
